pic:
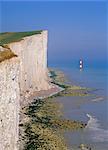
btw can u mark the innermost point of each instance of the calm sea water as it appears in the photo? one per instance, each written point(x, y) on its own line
point(91, 109)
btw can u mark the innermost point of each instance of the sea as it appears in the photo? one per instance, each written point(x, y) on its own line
point(92, 109)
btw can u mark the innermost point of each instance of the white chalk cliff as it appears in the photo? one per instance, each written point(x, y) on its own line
point(19, 75)
point(9, 102)
point(32, 51)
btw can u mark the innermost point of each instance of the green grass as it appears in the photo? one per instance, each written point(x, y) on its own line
point(9, 37)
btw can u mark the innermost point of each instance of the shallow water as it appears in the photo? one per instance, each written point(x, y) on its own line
point(93, 109)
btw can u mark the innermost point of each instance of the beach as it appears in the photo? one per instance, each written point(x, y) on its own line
point(43, 117)
point(69, 105)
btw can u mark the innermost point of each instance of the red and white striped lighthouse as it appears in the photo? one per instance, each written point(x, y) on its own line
point(81, 64)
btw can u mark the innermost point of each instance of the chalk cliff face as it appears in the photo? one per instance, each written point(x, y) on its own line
point(9, 103)
point(32, 51)
point(26, 73)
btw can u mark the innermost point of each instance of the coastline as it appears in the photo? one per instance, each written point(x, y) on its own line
point(30, 98)
point(58, 125)
point(78, 107)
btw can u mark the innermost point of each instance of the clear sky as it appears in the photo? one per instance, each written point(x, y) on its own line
point(76, 29)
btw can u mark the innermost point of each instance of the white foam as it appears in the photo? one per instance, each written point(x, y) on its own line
point(98, 134)
point(97, 99)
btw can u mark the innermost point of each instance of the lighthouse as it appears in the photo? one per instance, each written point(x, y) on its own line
point(81, 64)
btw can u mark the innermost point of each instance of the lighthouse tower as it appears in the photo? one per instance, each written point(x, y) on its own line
point(81, 64)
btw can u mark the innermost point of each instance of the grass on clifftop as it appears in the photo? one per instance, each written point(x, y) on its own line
point(9, 37)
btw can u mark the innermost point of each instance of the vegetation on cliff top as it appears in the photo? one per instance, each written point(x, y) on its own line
point(7, 54)
point(9, 37)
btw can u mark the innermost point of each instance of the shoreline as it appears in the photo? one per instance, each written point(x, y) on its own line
point(29, 100)
point(78, 107)
point(59, 89)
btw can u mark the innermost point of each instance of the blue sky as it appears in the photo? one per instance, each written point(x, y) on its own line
point(76, 29)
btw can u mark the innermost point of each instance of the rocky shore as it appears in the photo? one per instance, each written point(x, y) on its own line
point(41, 125)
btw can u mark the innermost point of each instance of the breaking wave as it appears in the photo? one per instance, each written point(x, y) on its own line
point(96, 132)
point(97, 99)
